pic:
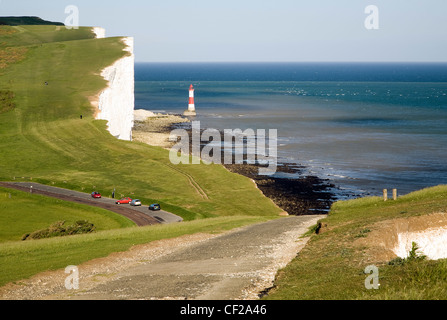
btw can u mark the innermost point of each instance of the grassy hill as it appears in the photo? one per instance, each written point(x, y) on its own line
point(43, 137)
point(332, 264)
point(48, 75)
point(21, 21)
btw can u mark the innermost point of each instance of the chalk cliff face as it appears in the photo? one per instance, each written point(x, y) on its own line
point(116, 102)
point(99, 32)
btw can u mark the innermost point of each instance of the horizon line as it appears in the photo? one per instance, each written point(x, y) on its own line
point(409, 62)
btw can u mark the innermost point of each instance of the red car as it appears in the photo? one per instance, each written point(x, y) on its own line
point(96, 194)
point(124, 201)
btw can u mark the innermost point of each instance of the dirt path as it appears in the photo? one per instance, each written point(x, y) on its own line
point(238, 264)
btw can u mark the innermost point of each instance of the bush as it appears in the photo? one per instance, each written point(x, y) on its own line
point(413, 254)
point(58, 229)
point(6, 101)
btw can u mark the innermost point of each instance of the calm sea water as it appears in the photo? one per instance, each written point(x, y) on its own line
point(363, 126)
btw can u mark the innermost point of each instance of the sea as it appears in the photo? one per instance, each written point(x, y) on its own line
point(364, 127)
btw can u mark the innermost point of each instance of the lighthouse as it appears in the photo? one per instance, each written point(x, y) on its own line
point(191, 106)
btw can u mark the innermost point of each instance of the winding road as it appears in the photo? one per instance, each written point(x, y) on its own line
point(142, 216)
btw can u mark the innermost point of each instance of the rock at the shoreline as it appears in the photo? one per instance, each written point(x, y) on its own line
point(142, 115)
point(305, 195)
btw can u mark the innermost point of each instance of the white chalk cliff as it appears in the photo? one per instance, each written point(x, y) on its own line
point(116, 103)
point(99, 32)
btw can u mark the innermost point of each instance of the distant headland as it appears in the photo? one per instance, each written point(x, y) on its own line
point(20, 21)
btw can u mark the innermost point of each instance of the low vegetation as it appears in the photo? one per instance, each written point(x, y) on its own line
point(5, 30)
point(332, 265)
point(413, 255)
point(11, 55)
point(60, 229)
point(6, 101)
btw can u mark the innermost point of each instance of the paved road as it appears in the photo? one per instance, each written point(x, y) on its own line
point(140, 215)
point(236, 265)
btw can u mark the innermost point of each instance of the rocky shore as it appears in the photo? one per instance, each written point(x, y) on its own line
point(304, 195)
point(297, 194)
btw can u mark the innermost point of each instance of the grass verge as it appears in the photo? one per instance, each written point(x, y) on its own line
point(331, 266)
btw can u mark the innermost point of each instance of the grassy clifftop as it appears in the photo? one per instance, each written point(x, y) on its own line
point(19, 36)
point(51, 79)
point(358, 233)
point(48, 77)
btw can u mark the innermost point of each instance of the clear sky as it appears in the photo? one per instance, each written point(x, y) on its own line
point(261, 30)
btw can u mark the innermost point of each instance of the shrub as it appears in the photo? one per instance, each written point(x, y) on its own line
point(58, 229)
point(413, 255)
point(6, 101)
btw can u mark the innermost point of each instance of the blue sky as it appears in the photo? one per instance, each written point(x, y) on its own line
point(250, 30)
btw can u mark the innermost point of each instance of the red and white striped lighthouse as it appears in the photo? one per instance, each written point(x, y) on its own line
point(191, 106)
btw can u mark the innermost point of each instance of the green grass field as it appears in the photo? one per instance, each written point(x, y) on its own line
point(43, 137)
point(47, 75)
point(332, 266)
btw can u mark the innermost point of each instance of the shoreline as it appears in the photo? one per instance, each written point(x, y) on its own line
point(154, 128)
point(304, 195)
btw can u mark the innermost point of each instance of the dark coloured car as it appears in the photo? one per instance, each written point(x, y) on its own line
point(154, 207)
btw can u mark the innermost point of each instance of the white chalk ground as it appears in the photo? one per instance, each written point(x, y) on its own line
point(142, 115)
point(99, 32)
point(431, 242)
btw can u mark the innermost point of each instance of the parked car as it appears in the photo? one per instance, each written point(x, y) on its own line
point(126, 200)
point(96, 194)
point(135, 202)
point(154, 207)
